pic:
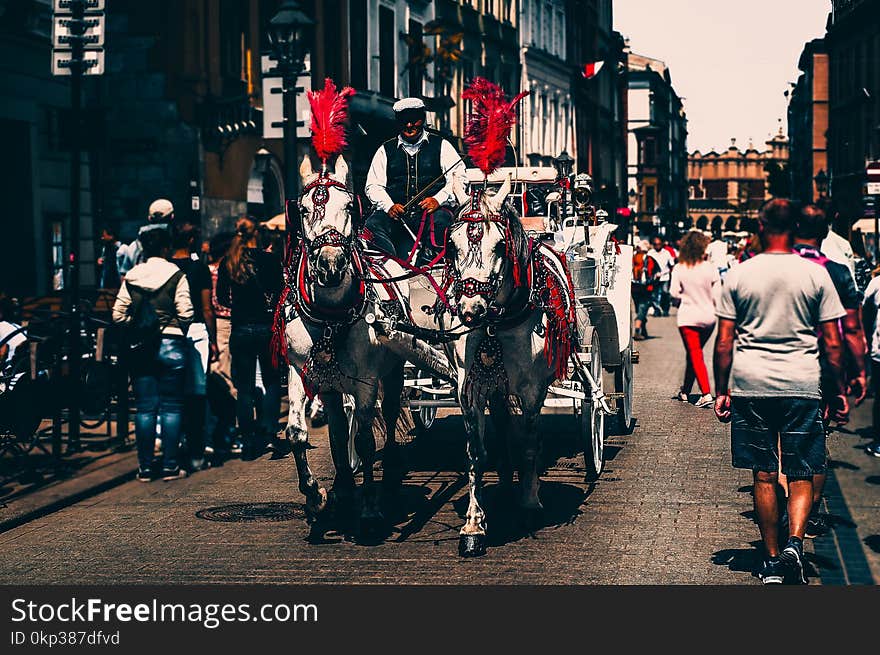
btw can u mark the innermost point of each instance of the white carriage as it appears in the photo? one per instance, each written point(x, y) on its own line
point(602, 275)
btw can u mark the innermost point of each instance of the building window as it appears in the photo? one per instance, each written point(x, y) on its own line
point(56, 241)
point(233, 44)
point(649, 200)
point(387, 57)
point(416, 65)
point(548, 26)
point(357, 12)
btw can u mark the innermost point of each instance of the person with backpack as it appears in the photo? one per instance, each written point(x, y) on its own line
point(646, 270)
point(159, 216)
point(249, 282)
point(201, 337)
point(154, 309)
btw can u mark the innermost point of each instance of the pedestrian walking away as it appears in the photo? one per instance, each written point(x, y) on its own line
point(221, 390)
point(201, 338)
point(249, 282)
point(159, 216)
point(645, 273)
point(154, 303)
point(771, 310)
point(692, 285)
point(812, 229)
point(665, 261)
point(871, 311)
point(412, 164)
point(108, 266)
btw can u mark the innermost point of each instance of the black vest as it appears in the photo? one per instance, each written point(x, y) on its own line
point(406, 176)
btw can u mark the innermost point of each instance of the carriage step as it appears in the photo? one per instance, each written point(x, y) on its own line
point(635, 356)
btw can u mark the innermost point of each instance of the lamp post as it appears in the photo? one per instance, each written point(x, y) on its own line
point(289, 32)
point(564, 164)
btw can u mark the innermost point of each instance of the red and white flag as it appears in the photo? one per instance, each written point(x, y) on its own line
point(592, 69)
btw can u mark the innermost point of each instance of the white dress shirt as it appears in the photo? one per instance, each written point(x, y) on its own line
point(450, 161)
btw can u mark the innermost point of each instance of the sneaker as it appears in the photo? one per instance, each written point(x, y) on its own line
point(144, 475)
point(169, 475)
point(680, 395)
point(236, 448)
point(209, 450)
point(772, 572)
point(705, 401)
point(816, 526)
point(873, 449)
point(793, 557)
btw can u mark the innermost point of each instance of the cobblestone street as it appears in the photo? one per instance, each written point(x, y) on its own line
point(668, 509)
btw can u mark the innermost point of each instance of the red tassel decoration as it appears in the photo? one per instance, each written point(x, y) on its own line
point(329, 114)
point(489, 123)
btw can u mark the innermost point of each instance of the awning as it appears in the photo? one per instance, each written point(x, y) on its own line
point(277, 222)
point(864, 224)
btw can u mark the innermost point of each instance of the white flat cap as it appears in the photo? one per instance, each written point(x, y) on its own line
point(408, 103)
point(160, 208)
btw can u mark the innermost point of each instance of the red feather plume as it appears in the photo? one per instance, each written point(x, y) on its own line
point(329, 114)
point(489, 123)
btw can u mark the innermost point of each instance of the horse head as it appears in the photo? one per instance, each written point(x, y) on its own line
point(482, 252)
point(326, 207)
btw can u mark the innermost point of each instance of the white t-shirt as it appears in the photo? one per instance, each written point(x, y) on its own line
point(717, 252)
point(665, 260)
point(778, 301)
point(694, 287)
point(872, 297)
point(7, 328)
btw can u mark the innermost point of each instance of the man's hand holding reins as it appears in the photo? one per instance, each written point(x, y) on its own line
point(397, 211)
point(430, 205)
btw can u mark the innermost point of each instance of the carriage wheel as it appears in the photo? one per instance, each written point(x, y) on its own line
point(592, 419)
point(423, 417)
point(348, 406)
point(623, 383)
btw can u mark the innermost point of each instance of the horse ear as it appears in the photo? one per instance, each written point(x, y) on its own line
point(497, 200)
point(305, 168)
point(340, 172)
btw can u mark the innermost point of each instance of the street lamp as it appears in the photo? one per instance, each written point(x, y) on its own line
point(289, 35)
point(821, 181)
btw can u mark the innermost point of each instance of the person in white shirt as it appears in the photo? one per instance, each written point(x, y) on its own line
point(716, 252)
point(666, 260)
point(693, 284)
point(410, 164)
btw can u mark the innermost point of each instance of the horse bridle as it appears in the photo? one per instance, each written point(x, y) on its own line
point(320, 190)
point(474, 219)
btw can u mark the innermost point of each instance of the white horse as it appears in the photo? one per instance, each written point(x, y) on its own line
point(331, 348)
point(516, 297)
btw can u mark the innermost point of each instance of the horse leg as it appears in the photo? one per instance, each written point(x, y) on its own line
point(472, 537)
point(524, 413)
point(298, 434)
point(392, 464)
point(371, 517)
point(337, 425)
point(501, 420)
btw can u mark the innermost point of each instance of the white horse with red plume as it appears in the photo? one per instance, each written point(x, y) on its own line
point(515, 295)
point(327, 318)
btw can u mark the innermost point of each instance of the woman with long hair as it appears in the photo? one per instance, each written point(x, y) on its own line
point(249, 283)
point(692, 286)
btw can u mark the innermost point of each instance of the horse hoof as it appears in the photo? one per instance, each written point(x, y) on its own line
point(472, 545)
point(316, 505)
point(371, 526)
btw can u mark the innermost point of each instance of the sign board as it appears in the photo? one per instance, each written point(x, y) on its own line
point(65, 6)
point(273, 101)
point(874, 188)
point(91, 36)
point(93, 62)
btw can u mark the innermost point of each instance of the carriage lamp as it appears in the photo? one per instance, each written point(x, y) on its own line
point(564, 164)
point(821, 181)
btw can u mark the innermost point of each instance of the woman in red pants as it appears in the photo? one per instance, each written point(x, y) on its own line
point(693, 286)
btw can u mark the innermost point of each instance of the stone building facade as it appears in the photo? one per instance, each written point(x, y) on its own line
point(657, 148)
point(808, 122)
point(730, 186)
